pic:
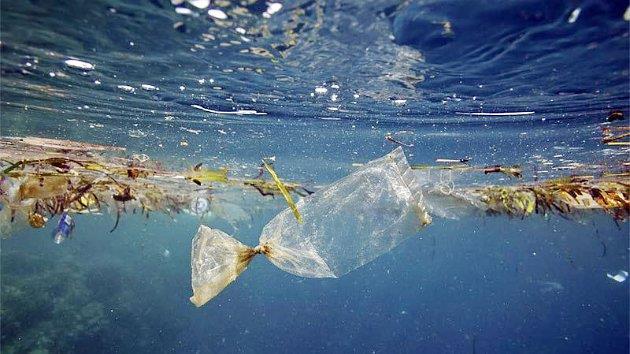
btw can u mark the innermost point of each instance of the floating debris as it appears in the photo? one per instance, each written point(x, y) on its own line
point(37, 220)
point(453, 161)
point(566, 197)
point(511, 171)
point(240, 112)
point(613, 135)
point(218, 14)
point(272, 8)
point(615, 116)
point(42, 145)
point(284, 191)
point(399, 102)
point(43, 181)
point(261, 52)
point(620, 277)
point(126, 88)
point(389, 137)
point(200, 206)
point(200, 4)
point(78, 64)
point(64, 228)
point(501, 114)
point(179, 26)
point(447, 29)
point(148, 87)
point(204, 175)
point(183, 11)
point(574, 15)
point(193, 131)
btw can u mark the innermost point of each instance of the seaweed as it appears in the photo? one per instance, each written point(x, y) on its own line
point(564, 197)
point(284, 191)
point(47, 180)
point(200, 175)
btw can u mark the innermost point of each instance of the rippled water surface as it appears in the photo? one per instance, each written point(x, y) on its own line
point(320, 84)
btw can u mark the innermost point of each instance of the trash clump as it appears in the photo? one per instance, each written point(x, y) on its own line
point(344, 226)
point(43, 178)
point(567, 197)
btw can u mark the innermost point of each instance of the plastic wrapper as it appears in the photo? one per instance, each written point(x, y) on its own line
point(344, 226)
point(217, 259)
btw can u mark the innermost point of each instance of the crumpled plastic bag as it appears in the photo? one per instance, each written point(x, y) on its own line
point(345, 225)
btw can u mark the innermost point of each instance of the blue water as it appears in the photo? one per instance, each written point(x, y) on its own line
point(484, 285)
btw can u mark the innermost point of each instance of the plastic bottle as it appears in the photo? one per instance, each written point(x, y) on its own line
point(64, 228)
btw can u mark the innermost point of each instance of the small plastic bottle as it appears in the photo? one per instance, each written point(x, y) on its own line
point(64, 228)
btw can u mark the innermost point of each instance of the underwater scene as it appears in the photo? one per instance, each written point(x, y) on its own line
point(314, 176)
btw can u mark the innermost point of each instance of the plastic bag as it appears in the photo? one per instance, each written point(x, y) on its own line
point(345, 225)
point(217, 259)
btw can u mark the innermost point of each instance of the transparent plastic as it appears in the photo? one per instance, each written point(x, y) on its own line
point(345, 225)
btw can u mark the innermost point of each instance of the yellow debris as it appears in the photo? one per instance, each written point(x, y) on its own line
point(284, 191)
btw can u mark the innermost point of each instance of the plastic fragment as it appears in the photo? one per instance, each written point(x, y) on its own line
point(620, 277)
point(574, 15)
point(148, 87)
point(183, 11)
point(218, 14)
point(126, 88)
point(64, 228)
point(78, 64)
point(200, 4)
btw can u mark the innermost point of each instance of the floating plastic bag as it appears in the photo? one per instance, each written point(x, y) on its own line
point(345, 225)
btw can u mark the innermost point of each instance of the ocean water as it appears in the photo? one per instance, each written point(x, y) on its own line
point(329, 80)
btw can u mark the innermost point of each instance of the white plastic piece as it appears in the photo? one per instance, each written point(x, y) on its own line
point(218, 14)
point(148, 87)
point(126, 88)
point(200, 4)
point(78, 64)
point(183, 11)
point(620, 277)
point(574, 15)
